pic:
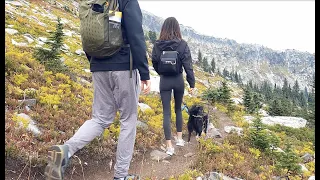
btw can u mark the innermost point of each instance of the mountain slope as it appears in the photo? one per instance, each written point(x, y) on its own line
point(252, 61)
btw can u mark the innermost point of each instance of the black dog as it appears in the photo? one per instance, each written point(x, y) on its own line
point(198, 120)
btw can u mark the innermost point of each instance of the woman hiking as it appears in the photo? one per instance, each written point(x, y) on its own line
point(170, 53)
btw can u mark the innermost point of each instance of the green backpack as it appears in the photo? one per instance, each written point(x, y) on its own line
point(100, 27)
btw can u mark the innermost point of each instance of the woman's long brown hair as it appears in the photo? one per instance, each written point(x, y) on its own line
point(170, 29)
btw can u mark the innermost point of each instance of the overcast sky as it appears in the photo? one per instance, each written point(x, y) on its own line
point(276, 24)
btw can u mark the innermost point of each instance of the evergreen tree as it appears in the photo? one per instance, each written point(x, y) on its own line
point(236, 77)
point(213, 65)
point(250, 84)
point(256, 102)
point(240, 79)
point(199, 62)
point(247, 100)
point(225, 93)
point(232, 76)
point(152, 36)
point(258, 136)
point(275, 108)
point(289, 161)
point(56, 39)
point(205, 65)
point(286, 107)
point(285, 88)
point(296, 88)
point(51, 58)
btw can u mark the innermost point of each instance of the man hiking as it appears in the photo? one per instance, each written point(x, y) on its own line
point(117, 25)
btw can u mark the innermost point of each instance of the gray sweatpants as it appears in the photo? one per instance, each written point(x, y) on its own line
point(113, 90)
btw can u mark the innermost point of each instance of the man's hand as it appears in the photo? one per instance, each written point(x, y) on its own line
point(146, 86)
point(191, 91)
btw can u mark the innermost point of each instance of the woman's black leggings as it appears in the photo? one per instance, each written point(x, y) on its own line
point(167, 84)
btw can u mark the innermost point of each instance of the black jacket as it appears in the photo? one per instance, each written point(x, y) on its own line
point(131, 25)
point(186, 59)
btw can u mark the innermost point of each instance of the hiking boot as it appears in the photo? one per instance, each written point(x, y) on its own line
point(129, 177)
point(170, 151)
point(180, 142)
point(57, 162)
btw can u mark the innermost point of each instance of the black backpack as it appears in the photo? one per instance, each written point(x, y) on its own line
point(170, 61)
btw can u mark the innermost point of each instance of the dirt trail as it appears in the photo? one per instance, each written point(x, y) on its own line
point(142, 165)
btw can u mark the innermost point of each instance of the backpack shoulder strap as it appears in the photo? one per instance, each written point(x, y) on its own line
point(181, 48)
point(157, 50)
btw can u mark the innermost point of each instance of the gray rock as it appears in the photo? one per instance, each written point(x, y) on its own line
point(79, 52)
point(303, 167)
point(143, 106)
point(158, 155)
point(263, 113)
point(237, 100)
point(11, 31)
point(27, 108)
point(65, 47)
point(87, 70)
point(307, 158)
point(219, 176)
point(29, 38)
point(312, 178)
point(279, 178)
point(249, 119)
point(31, 124)
point(28, 102)
point(18, 44)
point(229, 129)
point(85, 82)
point(42, 24)
point(42, 39)
point(142, 125)
point(213, 132)
point(15, 3)
point(295, 122)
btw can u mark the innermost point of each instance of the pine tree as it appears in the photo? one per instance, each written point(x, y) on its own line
point(152, 36)
point(205, 65)
point(236, 77)
point(225, 73)
point(250, 84)
point(257, 102)
point(51, 58)
point(225, 93)
point(286, 107)
point(199, 62)
point(257, 135)
point(56, 39)
point(275, 108)
point(240, 79)
point(285, 88)
point(247, 100)
point(288, 160)
point(213, 65)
